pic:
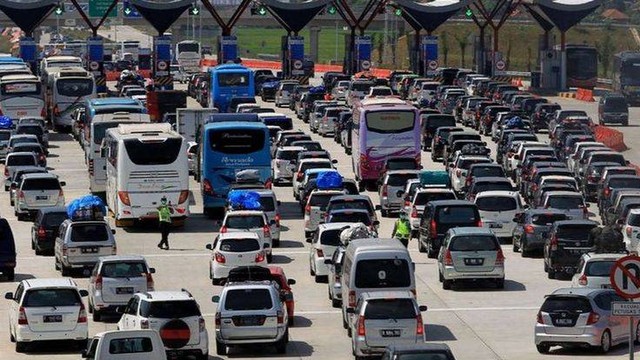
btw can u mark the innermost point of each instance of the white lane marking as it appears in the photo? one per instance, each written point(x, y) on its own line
point(512, 308)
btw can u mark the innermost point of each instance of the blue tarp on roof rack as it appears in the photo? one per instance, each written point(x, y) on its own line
point(329, 180)
point(244, 200)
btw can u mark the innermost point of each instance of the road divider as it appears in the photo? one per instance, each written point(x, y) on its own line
point(610, 137)
point(585, 95)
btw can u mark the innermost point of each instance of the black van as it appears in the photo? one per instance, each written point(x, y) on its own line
point(430, 123)
point(565, 244)
point(440, 216)
point(613, 107)
point(45, 228)
point(7, 251)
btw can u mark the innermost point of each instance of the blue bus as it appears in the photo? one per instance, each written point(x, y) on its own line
point(225, 149)
point(229, 81)
point(110, 105)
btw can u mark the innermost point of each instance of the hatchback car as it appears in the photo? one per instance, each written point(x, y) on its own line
point(571, 203)
point(594, 270)
point(114, 280)
point(37, 191)
point(440, 216)
point(470, 253)
point(14, 161)
point(566, 242)
point(45, 228)
point(532, 227)
point(249, 221)
point(231, 250)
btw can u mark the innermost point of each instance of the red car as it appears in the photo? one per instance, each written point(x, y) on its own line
point(285, 289)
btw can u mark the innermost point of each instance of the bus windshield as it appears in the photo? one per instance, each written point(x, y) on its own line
point(233, 79)
point(153, 152)
point(188, 47)
point(75, 87)
point(631, 69)
point(390, 122)
point(21, 88)
point(238, 141)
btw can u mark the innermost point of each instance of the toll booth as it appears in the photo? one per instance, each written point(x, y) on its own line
point(227, 49)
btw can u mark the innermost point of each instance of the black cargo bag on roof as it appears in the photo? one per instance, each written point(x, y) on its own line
point(607, 239)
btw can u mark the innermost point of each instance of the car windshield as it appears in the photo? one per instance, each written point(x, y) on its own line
point(351, 218)
point(383, 273)
point(20, 160)
point(239, 245)
point(287, 155)
point(497, 203)
point(40, 184)
point(574, 232)
point(51, 297)
point(383, 309)
point(456, 214)
point(89, 233)
point(321, 201)
point(248, 299)
point(400, 179)
point(244, 222)
point(474, 243)
point(125, 269)
point(331, 237)
point(599, 268)
point(566, 303)
point(169, 309)
point(565, 202)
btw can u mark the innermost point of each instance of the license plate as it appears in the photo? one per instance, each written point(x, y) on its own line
point(249, 321)
point(124, 290)
point(42, 197)
point(89, 250)
point(475, 261)
point(21, 113)
point(495, 226)
point(52, 318)
point(564, 321)
point(577, 251)
point(391, 333)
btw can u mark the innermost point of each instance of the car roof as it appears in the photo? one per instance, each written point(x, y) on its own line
point(501, 193)
point(166, 295)
point(578, 291)
point(49, 283)
point(333, 226)
point(341, 211)
point(491, 179)
point(291, 148)
point(53, 209)
point(597, 257)
point(386, 295)
point(471, 230)
point(403, 172)
point(450, 203)
point(39, 176)
point(244, 212)
point(574, 222)
point(114, 258)
point(350, 197)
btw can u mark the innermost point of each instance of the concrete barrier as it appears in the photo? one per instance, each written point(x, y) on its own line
point(610, 137)
point(585, 95)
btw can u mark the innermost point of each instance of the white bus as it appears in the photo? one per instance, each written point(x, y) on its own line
point(21, 96)
point(188, 55)
point(93, 141)
point(67, 89)
point(61, 61)
point(145, 162)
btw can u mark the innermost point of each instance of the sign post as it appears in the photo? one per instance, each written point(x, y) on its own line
point(296, 55)
point(95, 62)
point(625, 280)
point(363, 52)
point(429, 53)
point(162, 79)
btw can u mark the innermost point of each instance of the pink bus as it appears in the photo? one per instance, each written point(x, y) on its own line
point(382, 128)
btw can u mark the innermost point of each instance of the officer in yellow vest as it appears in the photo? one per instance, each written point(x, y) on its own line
point(164, 216)
point(402, 229)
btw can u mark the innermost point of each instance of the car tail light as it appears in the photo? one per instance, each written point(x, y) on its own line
point(607, 191)
point(361, 328)
point(307, 210)
point(82, 314)
point(280, 315)
point(218, 318)
point(628, 230)
point(419, 325)
point(539, 318)
point(268, 184)
point(220, 258)
point(223, 230)
point(458, 172)
point(554, 243)
point(319, 252)
point(42, 157)
point(260, 257)
point(593, 318)
point(534, 187)
point(479, 223)
point(22, 317)
point(201, 324)
point(448, 260)
point(433, 228)
point(414, 212)
point(592, 178)
point(65, 250)
point(184, 196)
point(43, 112)
point(500, 257)
point(266, 230)
point(144, 324)
point(42, 233)
point(150, 283)
point(407, 203)
point(385, 191)
point(114, 249)
point(207, 188)
point(299, 176)
point(6, 171)
point(352, 298)
point(21, 194)
point(124, 198)
point(91, 167)
point(528, 229)
point(98, 282)
point(583, 280)
point(277, 218)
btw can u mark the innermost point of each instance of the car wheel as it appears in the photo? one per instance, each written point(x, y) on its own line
point(605, 342)
point(335, 303)
point(431, 252)
point(384, 213)
point(276, 242)
point(311, 272)
point(421, 247)
point(97, 315)
point(446, 284)
point(440, 277)
point(291, 321)
point(515, 246)
point(221, 349)
point(344, 323)
point(551, 274)
point(281, 346)
point(33, 245)
point(10, 274)
point(543, 348)
point(65, 270)
point(21, 346)
point(82, 344)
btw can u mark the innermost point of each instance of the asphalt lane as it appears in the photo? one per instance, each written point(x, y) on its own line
point(476, 322)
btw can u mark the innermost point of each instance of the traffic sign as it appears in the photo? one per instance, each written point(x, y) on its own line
point(624, 308)
point(162, 65)
point(500, 65)
point(625, 277)
point(94, 65)
point(433, 64)
point(97, 8)
point(366, 64)
point(297, 64)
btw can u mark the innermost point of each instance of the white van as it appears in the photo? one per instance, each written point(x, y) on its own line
point(374, 265)
point(126, 345)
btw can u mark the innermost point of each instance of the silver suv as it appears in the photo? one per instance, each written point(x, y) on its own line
point(80, 244)
point(251, 313)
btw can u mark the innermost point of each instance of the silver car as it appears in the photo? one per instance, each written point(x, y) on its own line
point(391, 189)
point(383, 318)
point(4, 143)
point(470, 253)
point(571, 203)
point(14, 161)
point(581, 317)
point(80, 244)
point(335, 274)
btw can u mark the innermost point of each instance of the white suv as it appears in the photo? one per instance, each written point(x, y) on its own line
point(47, 309)
point(232, 250)
point(175, 315)
point(249, 220)
point(37, 191)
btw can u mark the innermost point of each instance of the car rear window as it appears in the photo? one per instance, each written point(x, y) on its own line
point(351, 204)
point(320, 200)
point(624, 183)
point(331, 237)
point(566, 303)
point(131, 345)
point(169, 309)
point(492, 186)
point(248, 299)
point(473, 243)
point(89, 233)
point(382, 273)
point(40, 184)
point(396, 180)
point(315, 165)
point(574, 232)
point(239, 245)
point(287, 154)
point(425, 197)
point(547, 219)
point(384, 309)
point(54, 219)
point(565, 202)
point(599, 268)
point(465, 164)
point(634, 220)
point(21, 160)
point(245, 222)
point(456, 214)
point(490, 171)
point(496, 203)
point(351, 218)
point(125, 269)
point(51, 297)
point(267, 203)
point(434, 122)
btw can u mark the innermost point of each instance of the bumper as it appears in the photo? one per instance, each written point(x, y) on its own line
point(592, 339)
point(391, 204)
point(253, 340)
point(534, 242)
point(450, 273)
point(23, 333)
point(362, 349)
point(337, 291)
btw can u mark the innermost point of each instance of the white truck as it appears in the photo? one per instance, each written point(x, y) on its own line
point(188, 121)
point(126, 345)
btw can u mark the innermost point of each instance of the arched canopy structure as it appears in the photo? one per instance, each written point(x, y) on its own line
point(28, 14)
point(430, 15)
point(161, 14)
point(295, 16)
point(564, 14)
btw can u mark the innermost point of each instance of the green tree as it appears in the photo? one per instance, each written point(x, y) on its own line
point(463, 41)
point(605, 49)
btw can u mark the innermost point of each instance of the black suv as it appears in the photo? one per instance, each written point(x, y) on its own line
point(45, 228)
point(440, 216)
point(565, 244)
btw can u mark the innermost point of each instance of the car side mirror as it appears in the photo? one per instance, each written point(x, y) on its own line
point(291, 281)
point(113, 231)
point(351, 310)
point(328, 262)
point(588, 205)
point(376, 223)
point(610, 211)
point(84, 293)
point(152, 270)
point(63, 183)
point(209, 247)
point(215, 299)
point(334, 161)
point(422, 308)
point(9, 295)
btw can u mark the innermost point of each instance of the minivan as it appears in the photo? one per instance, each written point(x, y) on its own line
point(440, 216)
point(613, 107)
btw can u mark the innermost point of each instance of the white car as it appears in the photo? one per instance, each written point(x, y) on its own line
point(325, 241)
point(231, 250)
point(45, 310)
point(114, 279)
point(284, 162)
point(126, 345)
point(511, 161)
point(244, 221)
point(497, 210)
point(315, 208)
point(594, 269)
point(175, 315)
point(631, 230)
point(459, 169)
